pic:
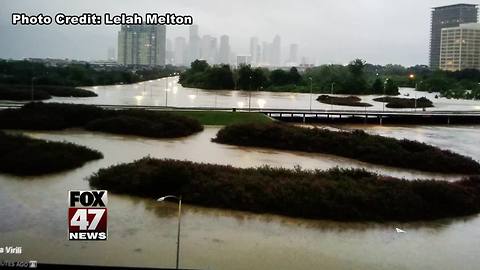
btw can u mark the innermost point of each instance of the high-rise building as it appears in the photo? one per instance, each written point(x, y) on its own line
point(169, 54)
point(254, 50)
point(180, 52)
point(224, 50)
point(209, 49)
point(244, 60)
point(142, 45)
point(194, 44)
point(460, 47)
point(276, 51)
point(266, 53)
point(448, 16)
point(293, 55)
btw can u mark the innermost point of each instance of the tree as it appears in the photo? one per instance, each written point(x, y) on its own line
point(356, 67)
point(294, 76)
point(391, 88)
point(199, 66)
point(279, 77)
point(245, 76)
point(218, 77)
point(356, 83)
point(259, 79)
point(377, 86)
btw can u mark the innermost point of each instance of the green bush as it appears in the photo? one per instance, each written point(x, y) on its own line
point(352, 101)
point(356, 145)
point(163, 126)
point(20, 155)
point(57, 116)
point(8, 92)
point(65, 91)
point(41, 92)
point(404, 103)
point(334, 194)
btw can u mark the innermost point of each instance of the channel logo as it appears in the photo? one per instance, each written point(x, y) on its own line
point(87, 215)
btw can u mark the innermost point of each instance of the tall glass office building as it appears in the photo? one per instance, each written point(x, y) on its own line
point(142, 45)
point(448, 16)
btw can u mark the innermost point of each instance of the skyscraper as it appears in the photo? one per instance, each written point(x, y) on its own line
point(169, 57)
point(180, 52)
point(254, 50)
point(293, 55)
point(224, 50)
point(276, 51)
point(266, 53)
point(460, 47)
point(194, 44)
point(142, 45)
point(448, 16)
point(209, 49)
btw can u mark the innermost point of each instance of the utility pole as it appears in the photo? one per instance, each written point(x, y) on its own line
point(311, 82)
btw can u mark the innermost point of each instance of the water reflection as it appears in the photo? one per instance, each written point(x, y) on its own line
point(194, 147)
point(170, 210)
point(180, 96)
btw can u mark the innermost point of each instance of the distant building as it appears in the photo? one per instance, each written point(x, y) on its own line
point(244, 60)
point(448, 16)
point(293, 55)
point(180, 52)
point(142, 45)
point(194, 44)
point(169, 54)
point(460, 47)
point(209, 49)
point(103, 64)
point(53, 62)
point(254, 51)
point(276, 51)
point(266, 53)
point(224, 50)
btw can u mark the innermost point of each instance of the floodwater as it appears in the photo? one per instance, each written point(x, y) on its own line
point(167, 91)
point(143, 232)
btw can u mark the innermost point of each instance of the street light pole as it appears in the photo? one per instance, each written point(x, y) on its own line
point(179, 222)
point(311, 82)
point(249, 93)
point(32, 91)
point(412, 77)
point(331, 92)
point(166, 91)
point(384, 93)
point(415, 95)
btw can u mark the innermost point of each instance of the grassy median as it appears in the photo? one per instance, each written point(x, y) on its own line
point(20, 155)
point(225, 118)
point(356, 145)
point(405, 103)
point(334, 194)
point(352, 101)
point(41, 92)
point(58, 116)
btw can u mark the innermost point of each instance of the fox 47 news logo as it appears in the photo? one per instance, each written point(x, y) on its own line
point(87, 215)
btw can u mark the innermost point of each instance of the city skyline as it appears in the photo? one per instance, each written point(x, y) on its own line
point(321, 36)
point(217, 50)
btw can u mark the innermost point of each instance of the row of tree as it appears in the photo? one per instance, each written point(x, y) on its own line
point(455, 84)
point(350, 79)
point(22, 72)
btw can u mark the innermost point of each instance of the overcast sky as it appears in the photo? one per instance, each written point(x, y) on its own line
point(329, 31)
